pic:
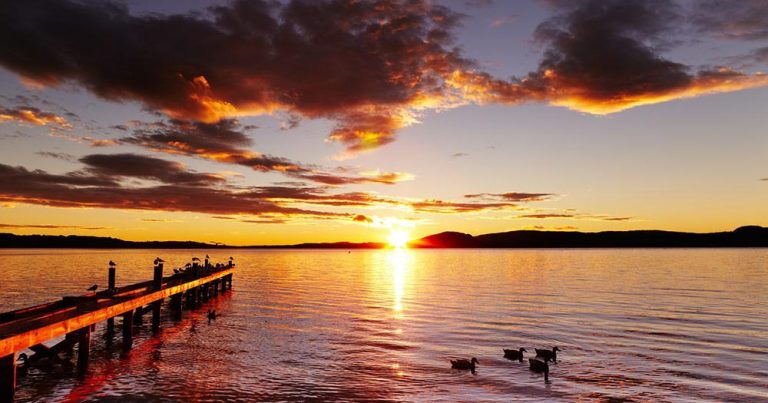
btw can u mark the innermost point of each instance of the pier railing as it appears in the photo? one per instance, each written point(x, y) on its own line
point(75, 317)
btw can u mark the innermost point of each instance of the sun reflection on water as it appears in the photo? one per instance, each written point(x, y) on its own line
point(400, 261)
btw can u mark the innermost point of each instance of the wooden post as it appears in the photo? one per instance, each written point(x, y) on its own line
point(128, 330)
point(189, 299)
point(138, 316)
point(83, 349)
point(215, 287)
point(176, 305)
point(69, 340)
point(111, 321)
point(157, 285)
point(7, 377)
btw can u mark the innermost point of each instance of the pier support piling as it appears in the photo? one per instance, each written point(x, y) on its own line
point(176, 305)
point(69, 340)
point(157, 285)
point(111, 321)
point(128, 330)
point(138, 316)
point(7, 377)
point(83, 349)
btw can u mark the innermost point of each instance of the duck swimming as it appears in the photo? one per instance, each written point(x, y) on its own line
point(539, 365)
point(514, 354)
point(547, 355)
point(465, 365)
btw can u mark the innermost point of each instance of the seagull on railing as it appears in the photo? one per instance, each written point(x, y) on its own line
point(158, 260)
point(195, 259)
point(206, 256)
point(93, 287)
point(112, 264)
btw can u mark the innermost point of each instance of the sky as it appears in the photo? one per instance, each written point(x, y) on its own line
point(250, 122)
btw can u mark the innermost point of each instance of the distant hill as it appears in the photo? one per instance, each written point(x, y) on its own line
point(747, 236)
point(77, 241)
point(329, 245)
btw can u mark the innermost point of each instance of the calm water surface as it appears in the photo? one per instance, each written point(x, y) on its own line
point(639, 324)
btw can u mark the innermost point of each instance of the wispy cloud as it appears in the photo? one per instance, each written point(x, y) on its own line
point(110, 181)
point(225, 142)
point(159, 220)
point(739, 20)
point(499, 22)
point(512, 196)
point(50, 226)
point(576, 216)
point(33, 116)
point(57, 155)
point(545, 228)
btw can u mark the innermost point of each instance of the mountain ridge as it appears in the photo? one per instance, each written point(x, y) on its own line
point(745, 236)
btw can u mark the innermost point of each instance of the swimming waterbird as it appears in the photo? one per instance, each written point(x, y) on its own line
point(465, 364)
point(540, 366)
point(515, 355)
point(547, 355)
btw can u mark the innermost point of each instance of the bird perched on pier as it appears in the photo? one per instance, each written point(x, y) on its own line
point(195, 259)
point(93, 287)
point(158, 260)
point(547, 355)
point(515, 355)
point(540, 366)
point(466, 365)
point(23, 365)
point(206, 256)
point(112, 264)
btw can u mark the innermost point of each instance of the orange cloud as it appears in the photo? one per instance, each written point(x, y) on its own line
point(32, 115)
point(372, 67)
point(50, 226)
point(225, 142)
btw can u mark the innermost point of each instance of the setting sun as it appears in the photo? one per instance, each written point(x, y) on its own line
point(398, 238)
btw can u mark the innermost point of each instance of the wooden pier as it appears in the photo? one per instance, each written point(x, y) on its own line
point(75, 317)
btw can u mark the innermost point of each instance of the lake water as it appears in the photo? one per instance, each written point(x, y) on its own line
point(635, 324)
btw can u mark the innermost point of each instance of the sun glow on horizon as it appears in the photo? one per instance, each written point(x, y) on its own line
point(398, 238)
